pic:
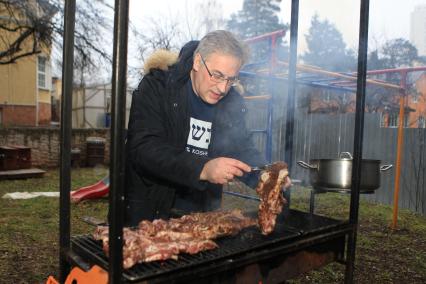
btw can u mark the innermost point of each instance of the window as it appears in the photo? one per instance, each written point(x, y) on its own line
point(393, 120)
point(383, 120)
point(43, 73)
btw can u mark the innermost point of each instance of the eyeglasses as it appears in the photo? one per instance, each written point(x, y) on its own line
point(219, 78)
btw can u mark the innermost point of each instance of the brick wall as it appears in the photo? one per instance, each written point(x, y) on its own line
point(44, 113)
point(18, 115)
point(44, 142)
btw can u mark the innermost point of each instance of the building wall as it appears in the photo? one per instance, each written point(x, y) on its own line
point(420, 103)
point(56, 99)
point(44, 113)
point(17, 115)
point(56, 88)
point(21, 100)
point(323, 100)
point(44, 107)
point(18, 82)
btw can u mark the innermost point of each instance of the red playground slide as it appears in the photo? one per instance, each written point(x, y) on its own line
point(97, 190)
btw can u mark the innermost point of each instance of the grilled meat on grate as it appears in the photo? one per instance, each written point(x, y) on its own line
point(165, 239)
point(271, 198)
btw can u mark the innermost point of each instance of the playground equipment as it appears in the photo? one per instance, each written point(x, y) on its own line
point(97, 190)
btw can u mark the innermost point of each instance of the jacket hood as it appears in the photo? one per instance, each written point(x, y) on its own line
point(160, 59)
point(181, 70)
point(176, 66)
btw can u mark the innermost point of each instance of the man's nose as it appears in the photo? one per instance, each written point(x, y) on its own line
point(223, 86)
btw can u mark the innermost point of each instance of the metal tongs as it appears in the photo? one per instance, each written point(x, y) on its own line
point(260, 168)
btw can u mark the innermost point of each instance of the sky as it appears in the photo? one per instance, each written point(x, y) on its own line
point(388, 18)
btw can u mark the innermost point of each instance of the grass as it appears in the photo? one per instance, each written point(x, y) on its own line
point(29, 233)
point(383, 255)
point(29, 228)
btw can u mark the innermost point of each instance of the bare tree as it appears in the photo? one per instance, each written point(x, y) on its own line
point(208, 18)
point(156, 33)
point(29, 27)
point(23, 26)
point(160, 32)
point(170, 31)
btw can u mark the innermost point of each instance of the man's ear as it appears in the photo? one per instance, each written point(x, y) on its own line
point(197, 62)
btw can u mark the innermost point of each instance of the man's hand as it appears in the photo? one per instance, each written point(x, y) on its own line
point(222, 170)
point(287, 183)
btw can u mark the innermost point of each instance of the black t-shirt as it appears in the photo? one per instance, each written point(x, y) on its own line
point(201, 124)
point(199, 137)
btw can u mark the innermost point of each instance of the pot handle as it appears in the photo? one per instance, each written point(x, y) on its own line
point(347, 154)
point(385, 168)
point(306, 165)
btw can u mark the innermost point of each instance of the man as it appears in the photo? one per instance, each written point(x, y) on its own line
point(187, 134)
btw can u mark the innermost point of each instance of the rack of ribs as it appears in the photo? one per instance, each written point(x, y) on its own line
point(165, 239)
point(269, 190)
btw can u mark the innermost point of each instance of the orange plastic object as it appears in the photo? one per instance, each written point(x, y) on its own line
point(51, 280)
point(97, 190)
point(95, 275)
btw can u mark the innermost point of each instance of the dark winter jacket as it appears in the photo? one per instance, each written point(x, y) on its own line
point(157, 163)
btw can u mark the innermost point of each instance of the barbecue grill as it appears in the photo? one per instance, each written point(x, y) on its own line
point(312, 239)
point(300, 242)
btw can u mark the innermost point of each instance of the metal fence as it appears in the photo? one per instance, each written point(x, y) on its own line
point(320, 136)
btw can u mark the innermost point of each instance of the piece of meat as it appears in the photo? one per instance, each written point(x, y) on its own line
point(271, 198)
point(161, 239)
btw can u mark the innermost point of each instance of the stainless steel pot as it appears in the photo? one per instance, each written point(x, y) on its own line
point(337, 173)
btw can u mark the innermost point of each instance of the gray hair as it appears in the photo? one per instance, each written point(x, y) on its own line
point(224, 42)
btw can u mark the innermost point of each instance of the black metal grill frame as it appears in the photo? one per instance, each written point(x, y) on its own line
point(121, 15)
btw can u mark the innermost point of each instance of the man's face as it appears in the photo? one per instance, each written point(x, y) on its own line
point(207, 87)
